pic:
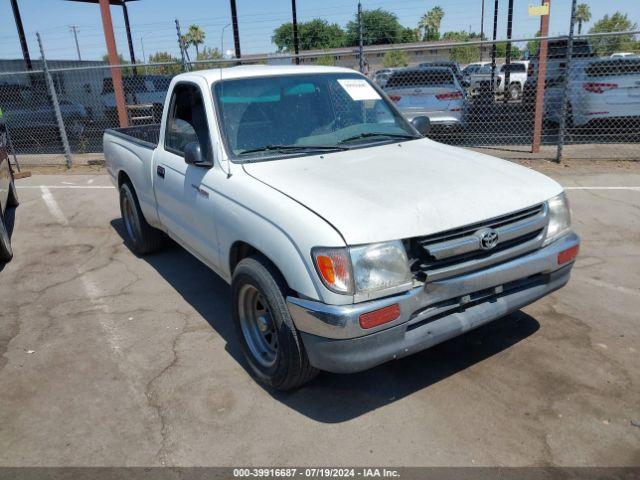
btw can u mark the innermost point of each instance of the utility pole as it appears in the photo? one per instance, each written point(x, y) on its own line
point(494, 48)
point(360, 39)
point(541, 79)
point(23, 40)
point(181, 46)
point(74, 29)
point(507, 68)
point(236, 33)
point(296, 48)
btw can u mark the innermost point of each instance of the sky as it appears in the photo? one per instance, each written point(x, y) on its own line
point(153, 27)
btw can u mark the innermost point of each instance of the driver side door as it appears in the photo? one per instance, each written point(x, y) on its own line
point(180, 197)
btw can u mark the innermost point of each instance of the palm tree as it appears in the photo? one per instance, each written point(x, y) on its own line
point(434, 19)
point(196, 37)
point(423, 25)
point(583, 15)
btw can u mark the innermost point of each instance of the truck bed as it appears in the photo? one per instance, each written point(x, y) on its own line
point(143, 135)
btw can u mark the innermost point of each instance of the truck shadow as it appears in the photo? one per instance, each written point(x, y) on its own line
point(332, 398)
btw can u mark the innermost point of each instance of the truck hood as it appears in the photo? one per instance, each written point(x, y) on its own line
point(404, 190)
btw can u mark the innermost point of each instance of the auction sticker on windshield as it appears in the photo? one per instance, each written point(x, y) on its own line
point(359, 89)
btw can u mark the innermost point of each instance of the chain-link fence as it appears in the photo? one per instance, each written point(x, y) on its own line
point(475, 94)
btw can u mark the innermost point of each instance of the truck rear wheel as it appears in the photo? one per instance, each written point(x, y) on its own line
point(270, 342)
point(143, 237)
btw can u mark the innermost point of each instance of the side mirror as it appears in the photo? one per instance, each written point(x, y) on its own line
point(422, 124)
point(193, 155)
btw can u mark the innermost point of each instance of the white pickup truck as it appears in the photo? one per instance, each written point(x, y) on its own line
point(348, 238)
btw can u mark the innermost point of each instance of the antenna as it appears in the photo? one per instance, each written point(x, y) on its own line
point(222, 83)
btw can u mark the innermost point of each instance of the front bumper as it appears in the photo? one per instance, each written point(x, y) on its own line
point(430, 314)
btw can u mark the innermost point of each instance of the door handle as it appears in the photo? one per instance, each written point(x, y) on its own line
point(160, 171)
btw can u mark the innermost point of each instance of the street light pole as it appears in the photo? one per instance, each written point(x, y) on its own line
point(23, 40)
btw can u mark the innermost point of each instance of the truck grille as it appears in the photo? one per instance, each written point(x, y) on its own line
point(457, 251)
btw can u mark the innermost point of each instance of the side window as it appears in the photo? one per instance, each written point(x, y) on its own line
point(187, 121)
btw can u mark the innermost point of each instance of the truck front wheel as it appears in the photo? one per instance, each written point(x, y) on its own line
point(270, 342)
point(143, 237)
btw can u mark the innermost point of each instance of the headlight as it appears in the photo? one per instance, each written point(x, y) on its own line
point(559, 218)
point(364, 269)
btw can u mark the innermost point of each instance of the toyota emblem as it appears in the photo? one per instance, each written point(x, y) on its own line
point(488, 239)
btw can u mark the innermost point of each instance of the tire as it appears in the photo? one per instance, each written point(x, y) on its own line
point(515, 91)
point(12, 199)
point(6, 252)
point(270, 342)
point(143, 238)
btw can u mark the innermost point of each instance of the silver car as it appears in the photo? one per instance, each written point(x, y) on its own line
point(433, 92)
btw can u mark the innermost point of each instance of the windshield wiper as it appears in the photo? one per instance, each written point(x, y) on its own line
point(379, 134)
point(295, 148)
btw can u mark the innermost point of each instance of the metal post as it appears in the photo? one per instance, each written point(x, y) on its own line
point(360, 38)
point(23, 40)
point(541, 80)
point(114, 62)
point(567, 85)
point(56, 105)
point(236, 33)
point(482, 30)
point(296, 47)
point(507, 68)
point(74, 29)
point(181, 46)
point(127, 27)
point(494, 48)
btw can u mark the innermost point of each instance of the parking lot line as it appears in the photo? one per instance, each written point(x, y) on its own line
point(602, 188)
point(53, 206)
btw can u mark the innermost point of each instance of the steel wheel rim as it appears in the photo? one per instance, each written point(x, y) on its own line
point(257, 325)
point(129, 217)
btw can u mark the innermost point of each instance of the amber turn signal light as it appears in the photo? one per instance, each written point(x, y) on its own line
point(379, 317)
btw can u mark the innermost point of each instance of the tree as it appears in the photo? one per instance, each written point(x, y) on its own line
point(583, 15)
point(379, 27)
point(172, 68)
point(462, 54)
point(430, 23)
point(317, 34)
point(395, 58)
point(410, 35)
point(326, 60)
point(208, 53)
point(195, 36)
point(534, 45)
point(618, 22)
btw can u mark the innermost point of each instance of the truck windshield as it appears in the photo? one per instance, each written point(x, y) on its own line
point(277, 116)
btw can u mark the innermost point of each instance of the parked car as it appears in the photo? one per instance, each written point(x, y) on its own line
point(381, 76)
point(583, 53)
point(454, 66)
point(517, 79)
point(433, 92)
point(472, 69)
point(8, 194)
point(28, 111)
point(140, 91)
point(600, 89)
point(623, 55)
point(349, 240)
